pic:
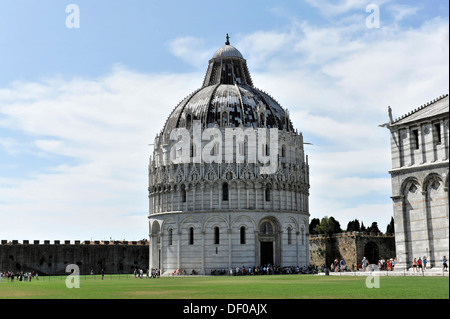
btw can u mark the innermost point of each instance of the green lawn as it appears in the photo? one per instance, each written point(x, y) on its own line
point(224, 287)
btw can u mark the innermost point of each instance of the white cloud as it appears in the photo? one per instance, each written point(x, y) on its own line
point(191, 50)
point(337, 82)
point(334, 8)
point(9, 145)
point(401, 11)
point(104, 126)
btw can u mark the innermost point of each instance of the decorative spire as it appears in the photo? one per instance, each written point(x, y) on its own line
point(228, 40)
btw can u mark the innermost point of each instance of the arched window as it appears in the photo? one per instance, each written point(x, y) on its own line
point(268, 193)
point(266, 229)
point(283, 150)
point(225, 192)
point(191, 236)
point(225, 118)
point(242, 235)
point(170, 236)
point(183, 194)
point(216, 235)
point(289, 235)
point(188, 121)
point(261, 119)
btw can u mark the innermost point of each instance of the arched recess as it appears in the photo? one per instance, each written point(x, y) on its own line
point(412, 219)
point(372, 252)
point(155, 244)
point(436, 215)
point(269, 240)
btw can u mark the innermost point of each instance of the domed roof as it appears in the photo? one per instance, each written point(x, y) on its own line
point(228, 98)
point(227, 51)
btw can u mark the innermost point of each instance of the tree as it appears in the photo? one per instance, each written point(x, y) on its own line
point(314, 222)
point(328, 226)
point(337, 225)
point(363, 228)
point(373, 228)
point(353, 225)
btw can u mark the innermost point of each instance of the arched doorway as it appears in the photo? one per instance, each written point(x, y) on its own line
point(371, 252)
point(268, 242)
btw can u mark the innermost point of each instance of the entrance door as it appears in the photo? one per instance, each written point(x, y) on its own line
point(266, 252)
point(371, 252)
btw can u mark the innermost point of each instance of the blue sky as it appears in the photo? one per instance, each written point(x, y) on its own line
point(78, 107)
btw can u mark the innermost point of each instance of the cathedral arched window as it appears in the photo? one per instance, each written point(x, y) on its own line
point(170, 237)
point(266, 229)
point(261, 119)
point(188, 121)
point(283, 150)
point(225, 118)
point(216, 235)
point(268, 193)
point(242, 235)
point(289, 235)
point(225, 192)
point(183, 194)
point(191, 236)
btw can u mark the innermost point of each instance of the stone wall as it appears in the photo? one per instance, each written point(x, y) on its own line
point(351, 247)
point(52, 258)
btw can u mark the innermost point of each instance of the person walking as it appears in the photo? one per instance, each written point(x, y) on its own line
point(444, 263)
point(415, 265)
point(419, 265)
point(424, 262)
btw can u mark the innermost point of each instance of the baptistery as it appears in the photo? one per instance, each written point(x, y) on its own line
point(228, 179)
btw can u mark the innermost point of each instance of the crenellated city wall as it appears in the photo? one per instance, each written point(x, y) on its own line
point(47, 258)
point(352, 247)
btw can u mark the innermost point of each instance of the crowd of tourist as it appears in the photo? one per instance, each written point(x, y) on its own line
point(339, 265)
point(149, 273)
point(19, 276)
point(265, 270)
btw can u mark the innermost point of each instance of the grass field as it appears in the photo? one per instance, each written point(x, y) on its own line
point(224, 287)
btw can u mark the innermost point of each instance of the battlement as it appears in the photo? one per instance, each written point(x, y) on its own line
point(142, 242)
point(352, 234)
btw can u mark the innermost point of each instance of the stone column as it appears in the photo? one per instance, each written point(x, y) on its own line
point(297, 248)
point(257, 248)
point(264, 196)
point(203, 232)
point(211, 186)
point(186, 206)
point(306, 238)
point(219, 191)
point(400, 232)
point(161, 252)
point(422, 143)
point(256, 196)
point(193, 197)
point(179, 250)
point(406, 145)
point(238, 195)
point(426, 210)
point(248, 197)
point(229, 248)
point(444, 141)
point(202, 186)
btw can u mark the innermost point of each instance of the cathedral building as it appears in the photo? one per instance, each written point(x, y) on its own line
point(228, 179)
point(420, 178)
